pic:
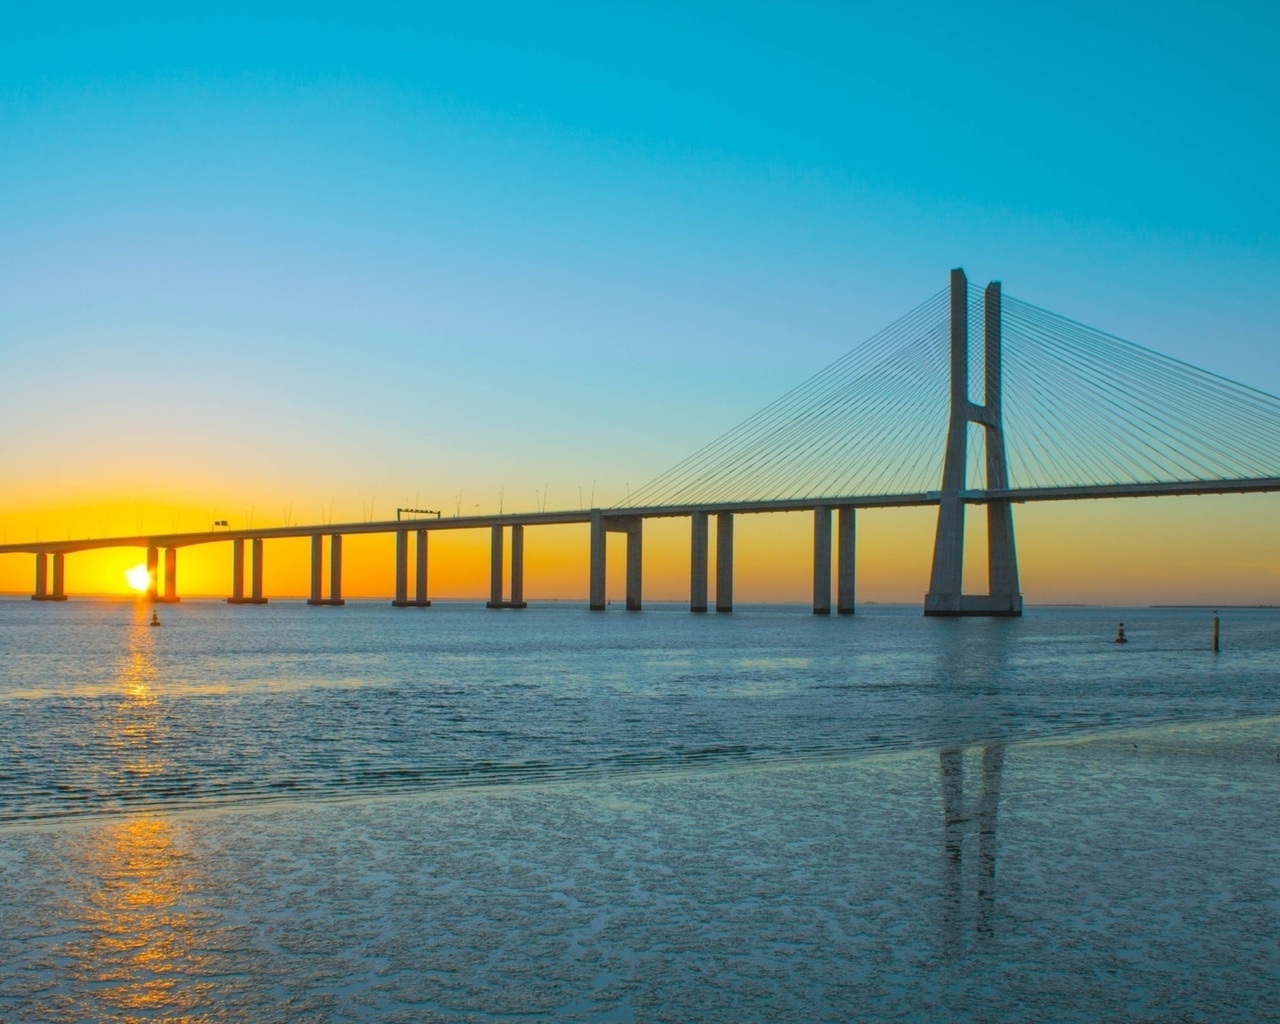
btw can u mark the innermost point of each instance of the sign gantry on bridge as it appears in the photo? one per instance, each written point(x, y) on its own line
point(972, 398)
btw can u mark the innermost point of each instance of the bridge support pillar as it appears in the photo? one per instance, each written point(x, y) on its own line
point(846, 550)
point(822, 560)
point(153, 571)
point(42, 591)
point(237, 572)
point(42, 577)
point(517, 567)
point(633, 527)
point(59, 577)
point(402, 569)
point(495, 568)
point(724, 561)
point(945, 595)
point(496, 561)
point(257, 597)
point(419, 599)
point(170, 577)
point(635, 562)
point(421, 580)
point(698, 563)
point(335, 570)
point(335, 599)
point(317, 568)
point(317, 597)
point(596, 593)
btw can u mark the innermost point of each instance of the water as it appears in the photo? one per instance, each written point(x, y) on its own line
point(231, 704)
point(283, 813)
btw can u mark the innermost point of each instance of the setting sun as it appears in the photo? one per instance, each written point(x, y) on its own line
point(138, 577)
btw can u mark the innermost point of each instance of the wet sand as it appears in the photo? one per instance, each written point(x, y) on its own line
point(1131, 875)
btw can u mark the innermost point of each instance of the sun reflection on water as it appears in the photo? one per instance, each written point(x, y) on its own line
point(134, 733)
point(140, 956)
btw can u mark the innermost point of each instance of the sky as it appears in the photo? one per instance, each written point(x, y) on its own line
point(273, 262)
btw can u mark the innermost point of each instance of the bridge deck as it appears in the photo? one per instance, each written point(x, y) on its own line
point(583, 516)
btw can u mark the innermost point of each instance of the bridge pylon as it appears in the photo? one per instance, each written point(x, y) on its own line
point(945, 595)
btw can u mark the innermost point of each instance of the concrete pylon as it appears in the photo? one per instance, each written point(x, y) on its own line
point(255, 577)
point(402, 599)
point(335, 570)
point(724, 561)
point(170, 595)
point(822, 560)
point(698, 563)
point(496, 562)
point(945, 595)
point(42, 577)
point(846, 532)
point(153, 564)
point(237, 572)
point(633, 527)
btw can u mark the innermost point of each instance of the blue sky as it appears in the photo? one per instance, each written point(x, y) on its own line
point(337, 250)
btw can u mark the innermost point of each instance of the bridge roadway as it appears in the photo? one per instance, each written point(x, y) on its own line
point(626, 520)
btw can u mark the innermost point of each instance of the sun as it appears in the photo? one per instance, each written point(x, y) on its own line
point(138, 578)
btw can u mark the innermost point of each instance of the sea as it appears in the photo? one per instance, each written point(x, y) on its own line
point(285, 813)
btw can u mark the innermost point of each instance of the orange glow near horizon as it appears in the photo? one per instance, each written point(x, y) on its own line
point(1219, 549)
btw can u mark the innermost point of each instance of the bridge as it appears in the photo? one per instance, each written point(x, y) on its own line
point(1066, 412)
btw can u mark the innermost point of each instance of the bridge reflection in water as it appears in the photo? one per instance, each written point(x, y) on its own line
point(969, 823)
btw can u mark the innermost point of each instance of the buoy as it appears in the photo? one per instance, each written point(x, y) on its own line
point(1120, 635)
point(155, 618)
point(1215, 632)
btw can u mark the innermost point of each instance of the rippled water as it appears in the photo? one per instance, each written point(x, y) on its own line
point(223, 704)
point(367, 814)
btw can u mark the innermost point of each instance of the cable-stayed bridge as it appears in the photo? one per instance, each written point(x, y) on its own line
point(971, 399)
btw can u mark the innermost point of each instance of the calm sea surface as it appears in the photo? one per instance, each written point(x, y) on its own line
point(366, 813)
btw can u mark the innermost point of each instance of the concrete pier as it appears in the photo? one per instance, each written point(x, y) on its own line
point(724, 561)
point(635, 564)
point(495, 567)
point(822, 560)
point(255, 572)
point(846, 549)
point(153, 573)
point(42, 591)
point(496, 564)
point(256, 596)
point(237, 572)
point(402, 569)
point(420, 580)
point(317, 568)
point(596, 594)
point(170, 594)
point(517, 567)
point(698, 562)
point(633, 527)
point(335, 571)
point(402, 599)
